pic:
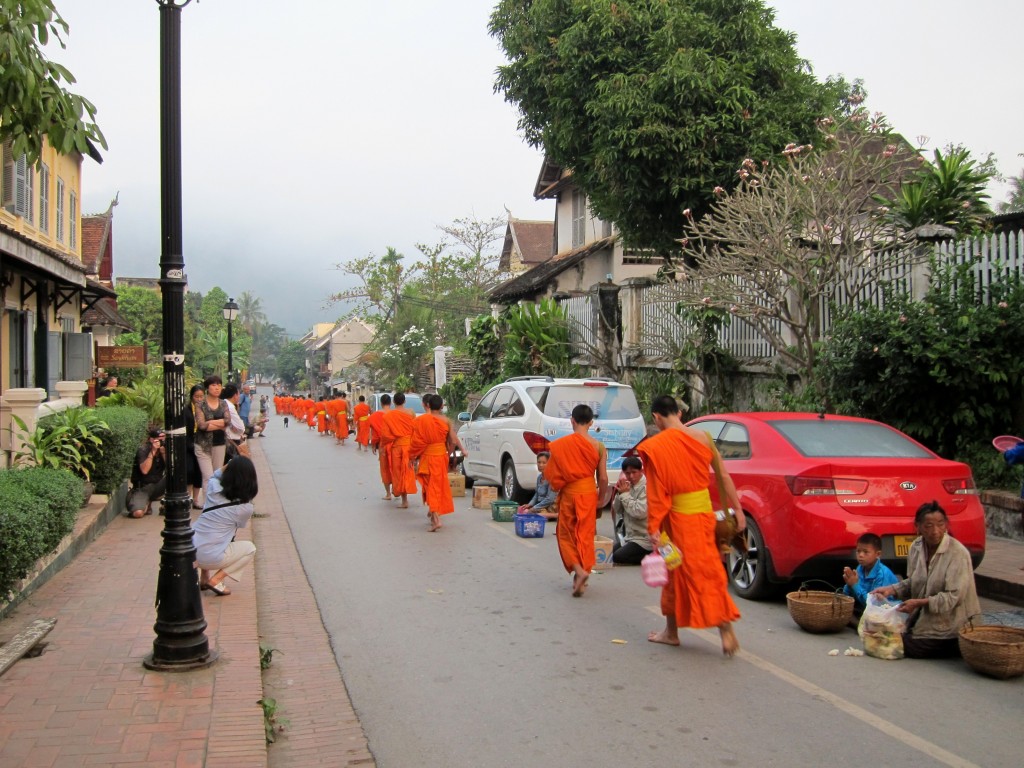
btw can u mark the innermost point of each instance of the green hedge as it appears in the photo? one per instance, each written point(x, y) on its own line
point(38, 507)
point(114, 459)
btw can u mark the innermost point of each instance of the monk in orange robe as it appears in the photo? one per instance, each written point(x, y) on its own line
point(676, 462)
point(361, 417)
point(341, 422)
point(322, 418)
point(575, 461)
point(400, 420)
point(431, 436)
point(381, 438)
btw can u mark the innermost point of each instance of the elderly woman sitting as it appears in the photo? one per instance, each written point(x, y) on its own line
point(939, 591)
point(228, 507)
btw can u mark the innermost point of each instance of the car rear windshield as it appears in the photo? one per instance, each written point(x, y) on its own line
point(825, 438)
point(608, 402)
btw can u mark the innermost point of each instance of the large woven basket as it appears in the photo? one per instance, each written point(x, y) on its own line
point(994, 651)
point(820, 612)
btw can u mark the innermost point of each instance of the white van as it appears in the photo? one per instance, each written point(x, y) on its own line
point(518, 418)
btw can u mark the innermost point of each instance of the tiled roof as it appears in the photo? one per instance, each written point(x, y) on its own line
point(536, 279)
point(104, 312)
point(535, 241)
point(95, 238)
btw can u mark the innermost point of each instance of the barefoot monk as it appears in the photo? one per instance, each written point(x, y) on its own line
point(676, 462)
point(380, 442)
point(432, 434)
point(575, 461)
point(400, 420)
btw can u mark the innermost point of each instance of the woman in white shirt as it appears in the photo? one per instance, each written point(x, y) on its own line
point(228, 507)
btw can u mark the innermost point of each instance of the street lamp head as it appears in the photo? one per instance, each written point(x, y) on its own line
point(230, 310)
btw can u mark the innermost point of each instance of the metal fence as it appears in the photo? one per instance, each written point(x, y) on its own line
point(661, 330)
point(582, 332)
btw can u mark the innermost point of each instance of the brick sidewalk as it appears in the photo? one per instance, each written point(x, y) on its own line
point(87, 700)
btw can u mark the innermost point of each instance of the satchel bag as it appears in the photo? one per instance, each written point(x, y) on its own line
point(726, 534)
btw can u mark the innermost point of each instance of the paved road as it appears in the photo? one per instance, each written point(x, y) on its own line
point(464, 647)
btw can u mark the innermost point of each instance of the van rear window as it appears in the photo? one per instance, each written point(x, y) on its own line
point(608, 402)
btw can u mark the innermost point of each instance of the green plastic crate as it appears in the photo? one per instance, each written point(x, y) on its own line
point(504, 511)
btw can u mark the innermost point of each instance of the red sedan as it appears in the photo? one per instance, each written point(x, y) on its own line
point(811, 484)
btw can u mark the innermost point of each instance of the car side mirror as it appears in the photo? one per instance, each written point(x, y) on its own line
point(465, 416)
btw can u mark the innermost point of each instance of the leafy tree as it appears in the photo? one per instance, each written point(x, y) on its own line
point(143, 309)
point(655, 102)
point(291, 363)
point(536, 340)
point(947, 370)
point(384, 279)
point(250, 312)
point(777, 250)
point(1016, 199)
point(949, 191)
point(35, 101)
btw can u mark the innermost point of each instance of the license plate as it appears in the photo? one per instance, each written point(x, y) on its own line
point(902, 544)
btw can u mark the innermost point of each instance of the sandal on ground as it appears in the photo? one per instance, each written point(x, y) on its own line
point(219, 589)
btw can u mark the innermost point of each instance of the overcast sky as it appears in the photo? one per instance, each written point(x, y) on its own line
point(316, 131)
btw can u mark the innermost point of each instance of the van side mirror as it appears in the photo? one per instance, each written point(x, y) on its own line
point(465, 416)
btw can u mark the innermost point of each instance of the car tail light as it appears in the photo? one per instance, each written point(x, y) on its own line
point(961, 486)
point(825, 486)
point(595, 383)
point(535, 442)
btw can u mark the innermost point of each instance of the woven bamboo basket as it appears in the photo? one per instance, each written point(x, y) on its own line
point(993, 650)
point(820, 612)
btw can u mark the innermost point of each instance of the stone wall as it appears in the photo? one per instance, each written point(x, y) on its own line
point(1004, 514)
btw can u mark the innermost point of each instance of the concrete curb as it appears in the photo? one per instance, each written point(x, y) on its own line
point(92, 520)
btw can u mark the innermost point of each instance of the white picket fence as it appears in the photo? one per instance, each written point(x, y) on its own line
point(662, 330)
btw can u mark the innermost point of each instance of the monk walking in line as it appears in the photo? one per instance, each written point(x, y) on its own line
point(400, 420)
point(361, 417)
point(676, 462)
point(575, 460)
point(380, 442)
point(341, 422)
point(432, 436)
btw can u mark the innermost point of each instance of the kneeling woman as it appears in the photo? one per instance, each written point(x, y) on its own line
point(228, 507)
point(939, 590)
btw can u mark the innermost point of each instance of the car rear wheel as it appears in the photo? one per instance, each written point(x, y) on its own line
point(748, 571)
point(510, 483)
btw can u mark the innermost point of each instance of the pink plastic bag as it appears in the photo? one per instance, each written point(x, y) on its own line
point(653, 570)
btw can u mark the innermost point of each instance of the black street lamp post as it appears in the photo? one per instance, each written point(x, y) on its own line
point(230, 313)
point(181, 642)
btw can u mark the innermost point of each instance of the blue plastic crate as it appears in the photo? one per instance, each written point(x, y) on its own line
point(530, 526)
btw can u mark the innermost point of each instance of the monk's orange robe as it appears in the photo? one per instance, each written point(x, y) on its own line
point(361, 416)
point(430, 445)
point(676, 466)
point(341, 422)
point(400, 421)
point(381, 437)
point(321, 417)
point(572, 471)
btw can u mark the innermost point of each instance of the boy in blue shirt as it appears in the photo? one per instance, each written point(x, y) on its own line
point(871, 572)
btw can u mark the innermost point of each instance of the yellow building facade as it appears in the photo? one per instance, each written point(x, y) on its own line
point(43, 283)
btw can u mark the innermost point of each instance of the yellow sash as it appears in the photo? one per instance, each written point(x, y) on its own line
point(693, 503)
point(403, 442)
point(436, 449)
point(583, 485)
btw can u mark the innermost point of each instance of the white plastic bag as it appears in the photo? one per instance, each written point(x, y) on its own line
point(881, 628)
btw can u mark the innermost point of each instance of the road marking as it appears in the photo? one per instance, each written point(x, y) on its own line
point(868, 718)
point(504, 528)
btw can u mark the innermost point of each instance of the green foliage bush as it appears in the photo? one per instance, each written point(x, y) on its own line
point(38, 507)
point(114, 458)
point(947, 370)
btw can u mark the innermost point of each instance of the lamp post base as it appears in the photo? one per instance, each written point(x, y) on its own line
point(186, 666)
